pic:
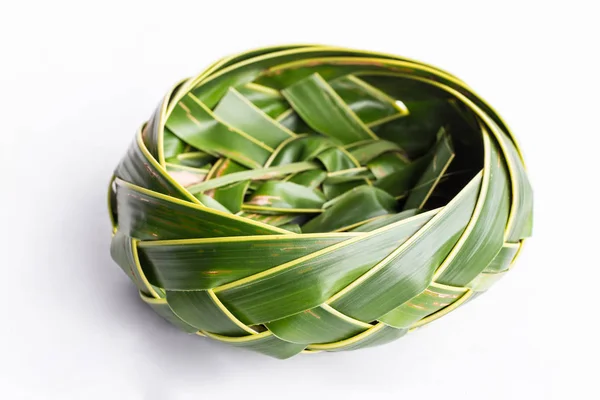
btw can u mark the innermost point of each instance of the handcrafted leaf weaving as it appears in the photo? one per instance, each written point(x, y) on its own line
point(307, 198)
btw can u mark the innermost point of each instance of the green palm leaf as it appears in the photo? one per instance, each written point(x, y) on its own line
point(310, 198)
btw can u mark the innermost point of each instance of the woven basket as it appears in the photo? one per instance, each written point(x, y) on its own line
point(309, 198)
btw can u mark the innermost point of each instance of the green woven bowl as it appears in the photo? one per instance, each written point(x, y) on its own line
point(310, 198)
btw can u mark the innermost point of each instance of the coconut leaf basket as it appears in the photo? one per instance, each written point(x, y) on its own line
point(302, 198)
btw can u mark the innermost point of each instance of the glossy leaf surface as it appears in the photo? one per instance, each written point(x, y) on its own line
point(261, 204)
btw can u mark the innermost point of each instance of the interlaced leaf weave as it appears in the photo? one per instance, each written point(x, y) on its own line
point(309, 198)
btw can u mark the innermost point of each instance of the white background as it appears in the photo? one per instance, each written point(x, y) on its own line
point(78, 78)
